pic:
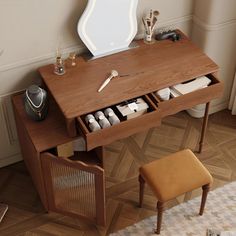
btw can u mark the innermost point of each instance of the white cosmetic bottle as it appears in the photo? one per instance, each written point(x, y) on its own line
point(102, 120)
point(111, 116)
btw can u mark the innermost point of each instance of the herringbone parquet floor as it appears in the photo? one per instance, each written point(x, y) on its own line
point(26, 215)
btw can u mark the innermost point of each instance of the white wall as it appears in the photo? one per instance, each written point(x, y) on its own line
point(30, 32)
point(172, 13)
point(214, 30)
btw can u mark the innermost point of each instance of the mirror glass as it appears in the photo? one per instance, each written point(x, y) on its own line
point(108, 26)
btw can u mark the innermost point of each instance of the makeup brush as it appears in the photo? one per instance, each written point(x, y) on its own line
point(113, 74)
point(145, 24)
point(154, 20)
point(149, 25)
point(154, 23)
point(156, 13)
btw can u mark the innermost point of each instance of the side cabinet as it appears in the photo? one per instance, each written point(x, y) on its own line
point(73, 186)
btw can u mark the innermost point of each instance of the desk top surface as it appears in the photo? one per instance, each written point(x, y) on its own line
point(142, 70)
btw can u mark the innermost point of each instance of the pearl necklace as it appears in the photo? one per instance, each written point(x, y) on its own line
point(31, 102)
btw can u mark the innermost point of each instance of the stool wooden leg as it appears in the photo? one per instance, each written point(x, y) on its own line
point(204, 127)
point(141, 190)
point(205, 190)
point(160, 208)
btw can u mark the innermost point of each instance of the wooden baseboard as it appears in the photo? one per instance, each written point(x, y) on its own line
point(5, 161)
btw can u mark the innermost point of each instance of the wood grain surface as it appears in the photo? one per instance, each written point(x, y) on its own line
point(26, 215)
point(122, 130)
point(142, 70)
point(187, 101)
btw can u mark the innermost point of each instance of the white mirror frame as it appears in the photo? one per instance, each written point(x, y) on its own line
point(108, 26)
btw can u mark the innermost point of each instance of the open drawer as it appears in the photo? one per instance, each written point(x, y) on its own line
point(75, 185)
point(186, 101)
point(122, 130)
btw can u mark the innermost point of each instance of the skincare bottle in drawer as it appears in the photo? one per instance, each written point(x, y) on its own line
point(92, 123)
point(111, 116)
point(102, 120)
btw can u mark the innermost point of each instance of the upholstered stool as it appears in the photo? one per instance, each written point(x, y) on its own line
point(172, 176)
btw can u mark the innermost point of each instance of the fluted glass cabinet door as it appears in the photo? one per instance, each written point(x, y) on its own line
point(74, 188)
point(107, 26)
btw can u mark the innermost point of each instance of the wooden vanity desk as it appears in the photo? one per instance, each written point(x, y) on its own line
point(142, 71)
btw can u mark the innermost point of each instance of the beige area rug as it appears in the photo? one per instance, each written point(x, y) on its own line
point(183, 220)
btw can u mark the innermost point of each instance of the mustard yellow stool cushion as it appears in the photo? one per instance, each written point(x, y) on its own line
point(172, 176)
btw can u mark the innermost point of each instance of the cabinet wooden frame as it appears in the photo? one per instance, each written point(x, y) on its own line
point(31, 157)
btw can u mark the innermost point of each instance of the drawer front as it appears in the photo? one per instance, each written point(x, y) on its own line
point(183, 102)
point(121, 130)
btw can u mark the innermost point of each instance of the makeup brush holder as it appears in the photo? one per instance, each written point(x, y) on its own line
point(149, 22)
point(102, 120)
point(111, 116)
point(36, 103)
point(92, 123)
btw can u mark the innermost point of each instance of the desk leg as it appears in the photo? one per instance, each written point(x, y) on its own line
point(204, 127)
point(100, 151)
point(71, 127)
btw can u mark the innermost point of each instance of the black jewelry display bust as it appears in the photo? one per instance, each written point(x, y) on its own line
point(36, 103)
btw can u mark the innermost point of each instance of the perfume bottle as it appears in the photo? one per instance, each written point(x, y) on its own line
point(72, 59)
point(59, 66)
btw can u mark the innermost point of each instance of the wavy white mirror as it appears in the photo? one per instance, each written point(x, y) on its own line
point(107, 26)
